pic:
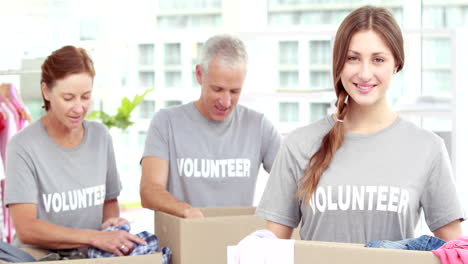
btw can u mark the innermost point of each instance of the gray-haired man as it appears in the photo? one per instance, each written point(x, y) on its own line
point(208, 152)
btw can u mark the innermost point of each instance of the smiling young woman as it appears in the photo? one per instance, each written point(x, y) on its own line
point(363, 173)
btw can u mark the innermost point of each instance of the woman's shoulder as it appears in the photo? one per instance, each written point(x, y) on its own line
point(311, 132)
point(32, 132)
point(309, 137)
point(418, 134)
point(95, 128)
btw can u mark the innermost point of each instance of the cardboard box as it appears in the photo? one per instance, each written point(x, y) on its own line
point(306, 252)
point(142, 259)
point(205, 240)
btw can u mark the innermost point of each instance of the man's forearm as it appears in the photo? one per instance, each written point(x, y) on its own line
point(158, 198)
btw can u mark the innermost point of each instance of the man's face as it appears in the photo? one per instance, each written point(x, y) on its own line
point(221, 86)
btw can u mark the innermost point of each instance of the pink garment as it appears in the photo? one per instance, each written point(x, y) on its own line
point(16, 114)
point(454, 251)
point(11, 127)
point(263, 246)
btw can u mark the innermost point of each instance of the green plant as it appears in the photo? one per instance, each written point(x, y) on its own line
point(122, 118)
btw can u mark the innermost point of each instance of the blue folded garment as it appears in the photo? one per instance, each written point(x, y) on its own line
point(422, 243)
point(151, 246)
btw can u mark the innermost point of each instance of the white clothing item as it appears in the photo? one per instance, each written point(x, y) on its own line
point(262, 246)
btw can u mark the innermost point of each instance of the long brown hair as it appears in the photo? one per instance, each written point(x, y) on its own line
point(62, 63)
point(381, 21)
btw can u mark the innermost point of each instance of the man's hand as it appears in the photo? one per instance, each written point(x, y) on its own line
point(193, 213)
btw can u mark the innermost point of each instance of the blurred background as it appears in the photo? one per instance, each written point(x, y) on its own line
point(153, 44)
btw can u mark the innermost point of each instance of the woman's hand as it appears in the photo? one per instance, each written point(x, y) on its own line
point(114, 221)
point(117, 242)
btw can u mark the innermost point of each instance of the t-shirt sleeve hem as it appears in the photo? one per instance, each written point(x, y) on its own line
point(112, 196)
point(446, 220)
point(158, 155)
point(7, 203)
point(269, 216)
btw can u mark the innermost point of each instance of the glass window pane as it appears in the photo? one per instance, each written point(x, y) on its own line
point(398, 15)
point(89, 28)
point(194, 80)
point(320, 80)
point(146, 54)
point(172, 103)
point(433, 17)
point(289, 112)
point(197, 46)
point(281, 19)
point(172, 54)
point(173, 79)
point(395, 92)
point(288, 52)
point(204, 21)
point(147, 109)
point(436, 52)
point(318, 111)
point(436, 82)
point(320, 52)
point(141, 139)
point(146, 79)
point(289, 79)
point(172, 22)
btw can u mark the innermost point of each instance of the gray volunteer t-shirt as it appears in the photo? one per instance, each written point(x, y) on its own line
point(68, 185)
point(374, 188)
point(212, 163)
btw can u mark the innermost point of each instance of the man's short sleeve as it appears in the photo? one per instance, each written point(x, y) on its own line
point(157, 136)
point(271, 141)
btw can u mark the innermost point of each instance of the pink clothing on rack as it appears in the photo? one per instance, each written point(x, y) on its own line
point(16, 114)
point(2, 122)
point(11, 127)
point(454, 251)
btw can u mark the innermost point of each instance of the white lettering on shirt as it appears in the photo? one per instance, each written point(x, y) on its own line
point(369, 198)
point(74, 199)
point(209, 168)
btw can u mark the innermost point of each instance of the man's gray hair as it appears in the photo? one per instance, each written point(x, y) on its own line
point(227, 49)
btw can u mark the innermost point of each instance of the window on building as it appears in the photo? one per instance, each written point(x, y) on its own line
point(435, 15)
point(436, 61)
point(288, 64)
point(289, 79)
point(146, 79)
point(288, 112)
point(173, 79)
point(89, 28)
point(320, 59)
point(319, 13)
point(180, 14)
point(146, 54)
point(288, 52)
point(197, 46)
point(141, 139)
point(320, 52)
point(147, 108)
point(170, 103)
point(172, 55)
point(317, 111)
point(320, 80)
